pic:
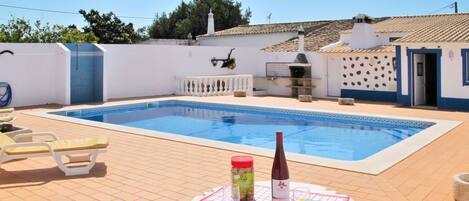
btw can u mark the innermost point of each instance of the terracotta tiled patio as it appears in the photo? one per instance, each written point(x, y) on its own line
point(143, 168)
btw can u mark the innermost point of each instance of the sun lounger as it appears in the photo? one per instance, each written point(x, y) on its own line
point(11, 150)
point(7, 119)
point(5, 112)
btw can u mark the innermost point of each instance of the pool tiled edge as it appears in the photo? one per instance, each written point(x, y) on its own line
point(375, 164)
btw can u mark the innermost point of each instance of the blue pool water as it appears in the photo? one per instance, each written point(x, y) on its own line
point(335, 136)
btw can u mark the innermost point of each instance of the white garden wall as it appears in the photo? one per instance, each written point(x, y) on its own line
point(145, 70)
point(36, 73)
point(40, 73)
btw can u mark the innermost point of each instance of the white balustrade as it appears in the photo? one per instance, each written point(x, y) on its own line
point(219, 85)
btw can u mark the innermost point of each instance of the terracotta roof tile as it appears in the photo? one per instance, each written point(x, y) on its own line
point(451, 28)
point(413, 23)
point(315, 39)
point(344, 48)
point(267, 28)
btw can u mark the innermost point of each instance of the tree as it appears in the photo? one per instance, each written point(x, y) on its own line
point(109, 28)
point(192, 18)
point(73, 35)
point(21, 31)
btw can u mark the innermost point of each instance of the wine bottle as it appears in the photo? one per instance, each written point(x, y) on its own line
point(280, 176)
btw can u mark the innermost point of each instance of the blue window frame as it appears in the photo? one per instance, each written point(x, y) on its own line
point(465, 66)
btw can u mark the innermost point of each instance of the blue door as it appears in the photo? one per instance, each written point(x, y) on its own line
point(86, 73)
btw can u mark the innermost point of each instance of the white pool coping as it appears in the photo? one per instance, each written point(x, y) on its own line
point(374, 164)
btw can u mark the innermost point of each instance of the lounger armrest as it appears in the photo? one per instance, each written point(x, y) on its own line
point(8, 122)
point(38, 134)
point(26, 144)
point(6, 111)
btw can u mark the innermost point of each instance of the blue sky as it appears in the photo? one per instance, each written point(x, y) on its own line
point(282, 10)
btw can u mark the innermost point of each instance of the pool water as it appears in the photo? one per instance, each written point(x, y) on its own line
point(334, 136)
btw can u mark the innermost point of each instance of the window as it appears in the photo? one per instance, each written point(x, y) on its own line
point(419, 69)
point(465, 63)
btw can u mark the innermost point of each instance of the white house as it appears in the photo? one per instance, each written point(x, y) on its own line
point(256, 36)
point(412, 60)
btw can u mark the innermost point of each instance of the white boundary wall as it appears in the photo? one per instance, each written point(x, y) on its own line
point(37, 73)
point(147, 70)
point(40, 73)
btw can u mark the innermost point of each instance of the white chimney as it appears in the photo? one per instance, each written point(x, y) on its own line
point(363, 34)
point(301, 39)
point(210, 24)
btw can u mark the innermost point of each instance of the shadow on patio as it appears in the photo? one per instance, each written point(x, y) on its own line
point(37, 177)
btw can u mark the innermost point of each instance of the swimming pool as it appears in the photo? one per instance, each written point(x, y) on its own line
point(328, 135)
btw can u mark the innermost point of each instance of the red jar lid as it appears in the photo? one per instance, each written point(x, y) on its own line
point(242, 161)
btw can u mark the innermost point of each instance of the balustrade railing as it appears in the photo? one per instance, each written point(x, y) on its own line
point(219, 85)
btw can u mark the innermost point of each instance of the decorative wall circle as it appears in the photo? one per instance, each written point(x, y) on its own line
point(368, 77)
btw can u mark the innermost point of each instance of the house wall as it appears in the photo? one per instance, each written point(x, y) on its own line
point(37, 73)
point(454, 95)
point(381, 38)
point(252, 40)
point(168, 42)
point(371, 72)
point(366, 76)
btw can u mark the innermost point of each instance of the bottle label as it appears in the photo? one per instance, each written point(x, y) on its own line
point(280, 189)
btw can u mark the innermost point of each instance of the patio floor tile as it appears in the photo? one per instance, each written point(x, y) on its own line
point(143, 168)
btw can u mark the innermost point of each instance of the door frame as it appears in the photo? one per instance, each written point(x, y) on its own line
point(328, 77)
point(410, 72)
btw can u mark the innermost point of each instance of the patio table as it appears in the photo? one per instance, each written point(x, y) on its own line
point(262, 192)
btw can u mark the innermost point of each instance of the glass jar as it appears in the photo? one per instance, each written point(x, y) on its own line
point(242, 178)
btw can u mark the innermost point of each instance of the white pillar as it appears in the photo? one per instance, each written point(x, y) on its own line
point(210, 24)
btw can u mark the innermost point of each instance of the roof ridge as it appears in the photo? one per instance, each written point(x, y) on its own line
point(300, 22)
point(429, 15)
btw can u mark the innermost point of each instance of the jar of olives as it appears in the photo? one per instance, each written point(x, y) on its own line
point(242, 178)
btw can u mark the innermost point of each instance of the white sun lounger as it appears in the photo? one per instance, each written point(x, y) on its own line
point(11, 150)
point(7, 119)
point(6, 112)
